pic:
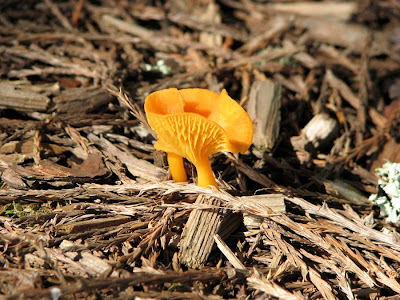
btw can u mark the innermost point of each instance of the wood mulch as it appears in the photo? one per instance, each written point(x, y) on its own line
point(87, 210)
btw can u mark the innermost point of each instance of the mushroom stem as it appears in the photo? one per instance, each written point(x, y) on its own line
point(177, 167)
point(205, 175)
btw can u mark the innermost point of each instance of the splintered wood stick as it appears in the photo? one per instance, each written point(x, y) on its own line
point(198, 235)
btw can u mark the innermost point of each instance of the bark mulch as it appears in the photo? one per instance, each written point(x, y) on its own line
point(87, 209)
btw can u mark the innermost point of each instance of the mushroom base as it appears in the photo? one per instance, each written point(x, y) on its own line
point(205, 175)
point(177, 167)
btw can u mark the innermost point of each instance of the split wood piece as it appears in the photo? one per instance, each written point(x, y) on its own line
point(197, 239)
point(23, 99)
point(264, 109)
point(81, 100)
point(83, 226)
point(321, 130)
point(275, 202)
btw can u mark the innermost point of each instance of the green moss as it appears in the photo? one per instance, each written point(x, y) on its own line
point(18, 210)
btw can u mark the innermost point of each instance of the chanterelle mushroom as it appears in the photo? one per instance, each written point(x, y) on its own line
point(195, 123)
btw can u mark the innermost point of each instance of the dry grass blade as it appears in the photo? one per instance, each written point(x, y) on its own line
point(137, 279)
point(133, 107)
point(271, 288)
point(361, 229)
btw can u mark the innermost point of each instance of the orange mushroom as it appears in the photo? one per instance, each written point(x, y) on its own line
point(195, 123)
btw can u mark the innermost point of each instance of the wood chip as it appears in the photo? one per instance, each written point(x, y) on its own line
point(275, 202)
point(197, 238)
point(90, 169)
point(83, 226)
point(22, 98)
point(340, 188)
point(343, 89)
point(331, 10)
point(321, 130)
point(81, 100)
point(337, 33)
point(264, 108)
point(136, 166)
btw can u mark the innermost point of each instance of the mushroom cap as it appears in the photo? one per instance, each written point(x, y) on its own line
point(194, 123)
